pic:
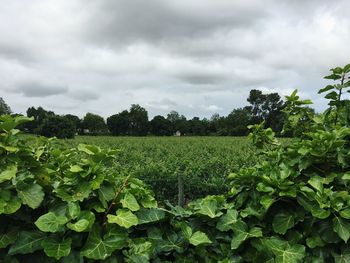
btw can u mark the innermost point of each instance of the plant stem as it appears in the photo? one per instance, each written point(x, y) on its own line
point(125, 183)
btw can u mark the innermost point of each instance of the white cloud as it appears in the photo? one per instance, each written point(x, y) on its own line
point(193, 56)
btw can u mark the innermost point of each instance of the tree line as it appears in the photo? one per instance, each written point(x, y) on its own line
point(267, 108)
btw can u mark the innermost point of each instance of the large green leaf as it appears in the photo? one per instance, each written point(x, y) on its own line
point(209, 208)
point(342, 227)
point(129, 201)
point(8, 173)
point(51, 222)
point(31, 195)
point(226, 221)
point(284, 252)
point(344, 257)
point(9, 202)
point(56, 249)
point(8, 238)
point(241, 233)
point(124, 218)
point(199, 238)
point(83, 223)
point(150, 215)
point(282, 222)
point(27, 242)
point(100, 248)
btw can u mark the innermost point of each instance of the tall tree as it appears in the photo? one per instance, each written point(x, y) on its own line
point(238, 120)
point(76, 121)
point(94, 123)
point(118, 124)
point(160, 126)
point(39, 114)
point(58, 126)
point(268, 108)
point(4, 108)
point(138, 117)
point(178, 122)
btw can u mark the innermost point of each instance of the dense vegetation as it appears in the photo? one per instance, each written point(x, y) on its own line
point(265, 108)
point(70, 205)
point(203, 163)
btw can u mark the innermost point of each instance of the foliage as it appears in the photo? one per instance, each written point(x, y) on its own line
point(39, 115)
point(94, 123)
point(69, 205)
point(138, 119)
point(160, 126)
point(267, 108)
point(118, 124)
point(202, 162)
point(4, 108)
point(58, 126)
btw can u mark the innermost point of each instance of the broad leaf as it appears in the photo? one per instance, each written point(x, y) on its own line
point(100, 248)
point(129, 201)
point(124, 218)
point(342, 228)
point(284, 252)
point(27, 242)
point(199, 238)
point(226, 221)
point(8, 238)
point(241, 233)
point(150, 215)
point(56, 249)
point(50, 222)
point(8, 173)
point(31, 195)
point(282, 222)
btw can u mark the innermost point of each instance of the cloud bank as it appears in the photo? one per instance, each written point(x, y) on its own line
point(194, 56)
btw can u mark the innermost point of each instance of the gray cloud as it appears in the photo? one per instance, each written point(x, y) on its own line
point(33, 89)
point(193, 56)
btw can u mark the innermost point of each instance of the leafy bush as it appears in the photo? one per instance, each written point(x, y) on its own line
point(69, 205)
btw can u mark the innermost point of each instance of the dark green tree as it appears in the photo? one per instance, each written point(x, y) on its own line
point(197, 127)
point(118, 124)
point(238, 120)
point(138, 119)
point(77, 122)
point(267, 108)
point(4, 108)
point(58, 126)
point(160, 126)
point(178, 122)
point(95, 124)
point(39, 114)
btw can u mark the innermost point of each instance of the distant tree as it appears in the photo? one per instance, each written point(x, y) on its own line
point(197, 127)
point(160, 126)
point(268, 108)
point(138, 118)
point(238, 120)
point(173, 116)
point(178, 122)
point(77, 122)
point(118, 124)
point(58, 126)
point(94, 123)
point(4, 108)
point(39, 114)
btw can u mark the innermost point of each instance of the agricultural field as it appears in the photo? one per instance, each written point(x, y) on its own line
point(202, 162)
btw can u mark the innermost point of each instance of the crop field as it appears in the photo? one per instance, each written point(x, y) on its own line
point(202, 162)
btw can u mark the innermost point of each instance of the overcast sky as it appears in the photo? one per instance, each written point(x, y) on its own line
point(198, 57)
